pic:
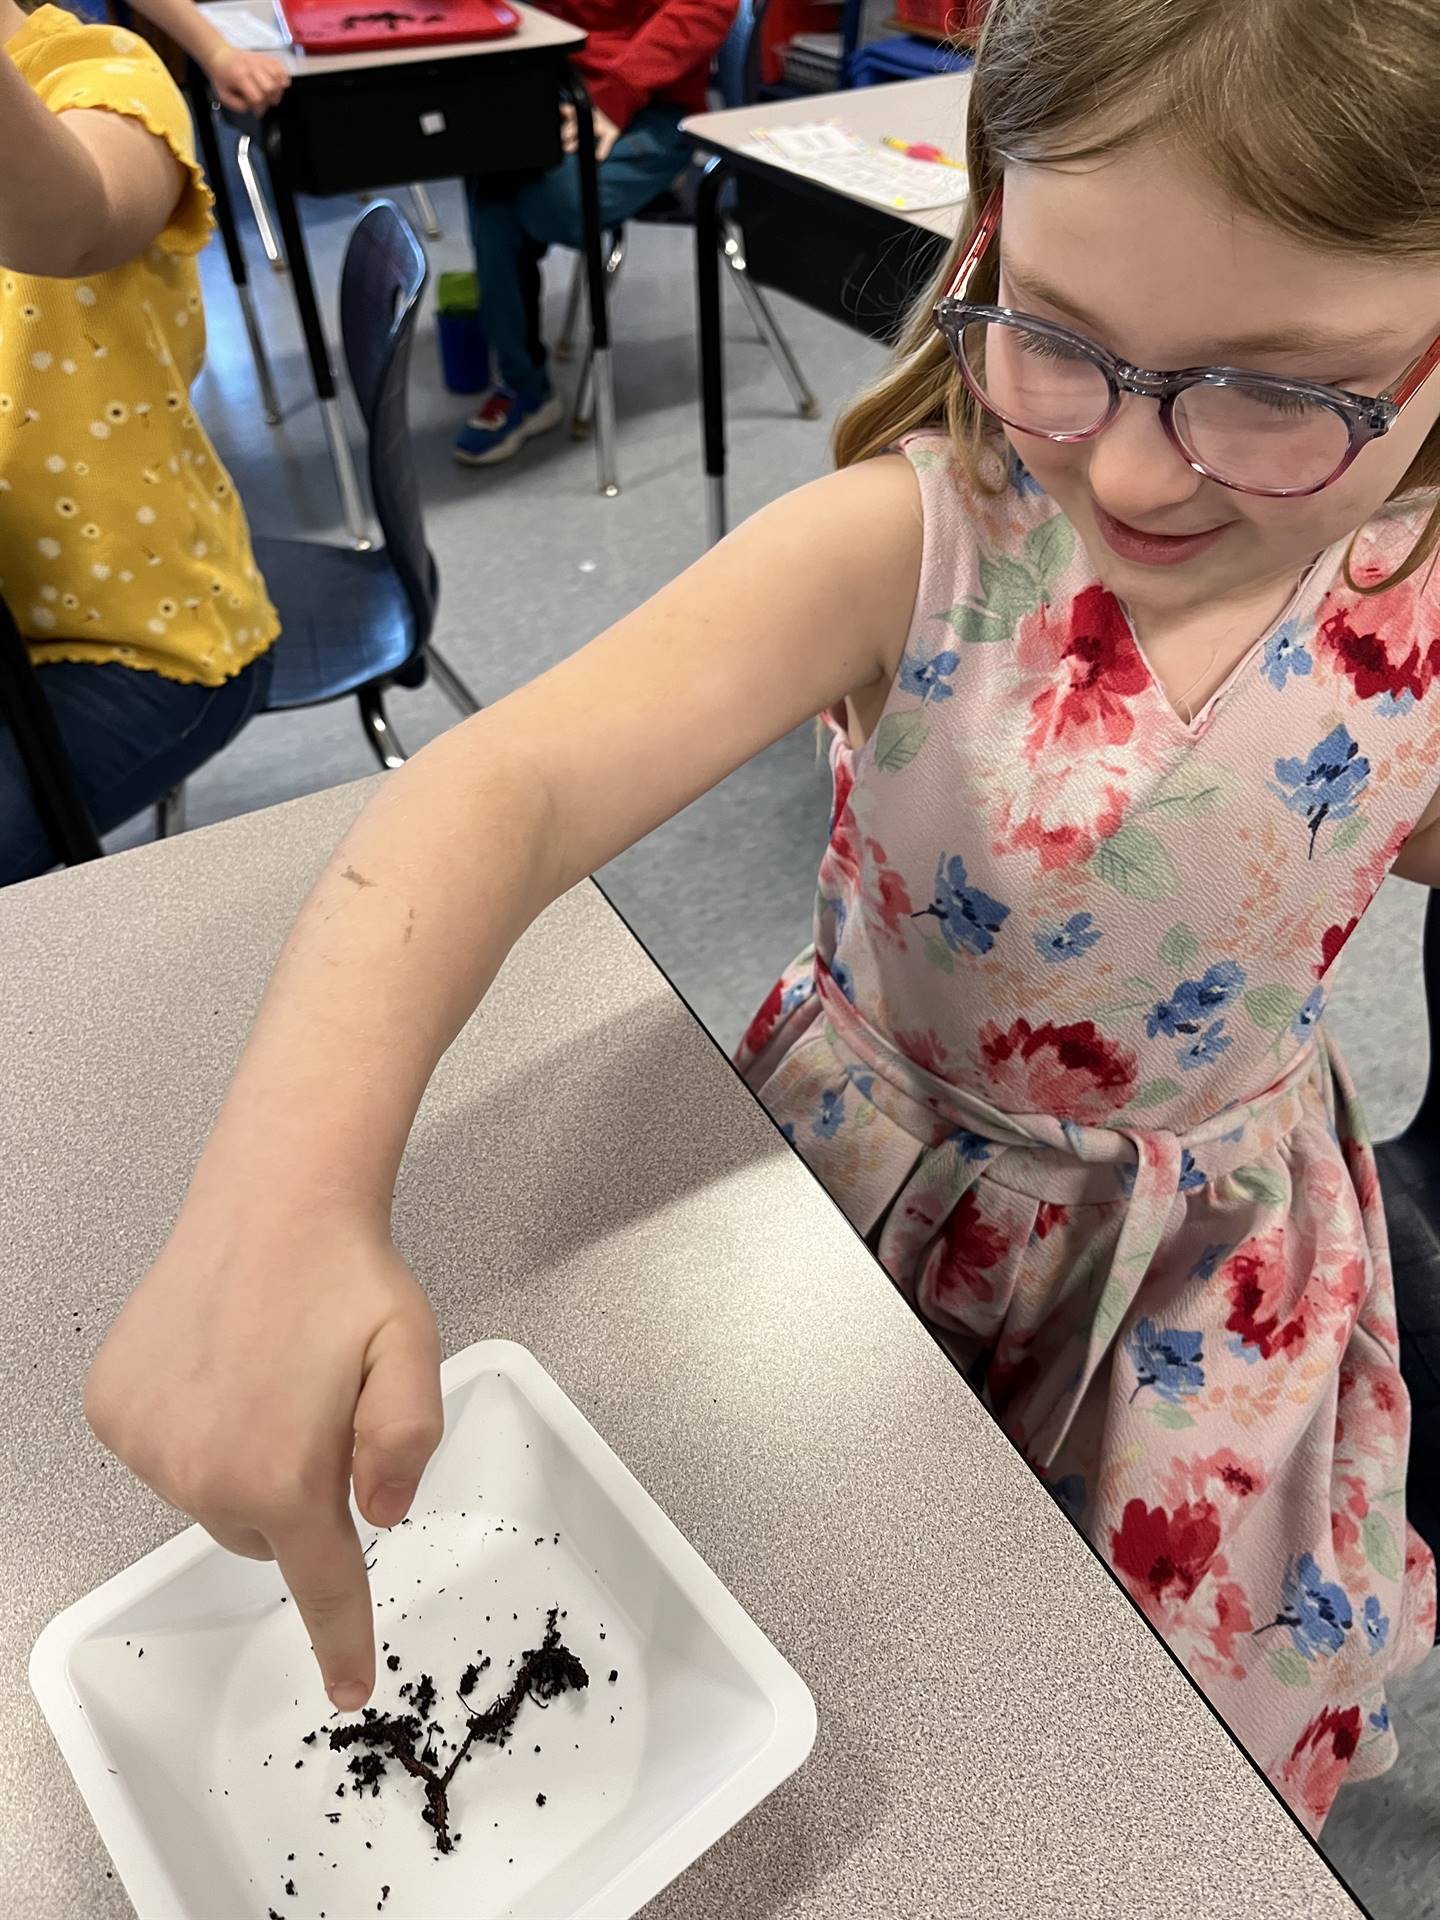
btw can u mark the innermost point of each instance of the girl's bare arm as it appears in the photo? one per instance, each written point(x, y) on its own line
point(278, 1351)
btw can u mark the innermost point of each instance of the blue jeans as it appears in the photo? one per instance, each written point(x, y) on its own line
point(131, 736)
point(512, 226)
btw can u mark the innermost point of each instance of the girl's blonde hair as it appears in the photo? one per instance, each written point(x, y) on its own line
point(1320, 116)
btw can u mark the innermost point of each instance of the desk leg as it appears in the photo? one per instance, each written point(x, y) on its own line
point(602, 373)
point(712, 362)
point(197, 88)
point(352, 507)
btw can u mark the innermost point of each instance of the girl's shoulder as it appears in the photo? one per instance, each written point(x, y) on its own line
point(92, 63)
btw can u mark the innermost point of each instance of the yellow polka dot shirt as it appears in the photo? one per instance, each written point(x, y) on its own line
point(121, 537)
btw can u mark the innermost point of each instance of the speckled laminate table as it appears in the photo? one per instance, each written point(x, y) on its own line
point(1000, 1733)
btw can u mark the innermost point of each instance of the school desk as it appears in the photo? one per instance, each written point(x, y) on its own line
point(854, 261)
point(352, 122)
point(1000, 1733)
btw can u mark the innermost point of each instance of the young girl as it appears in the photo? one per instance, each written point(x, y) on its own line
point(1132, 680)
point(124, 554)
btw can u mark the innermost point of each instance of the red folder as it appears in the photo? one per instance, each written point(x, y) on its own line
point(369, 26)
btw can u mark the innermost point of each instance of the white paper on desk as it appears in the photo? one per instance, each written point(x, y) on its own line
point(253, 25)
point(831, 154)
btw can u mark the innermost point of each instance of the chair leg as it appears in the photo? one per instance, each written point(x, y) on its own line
point(269, 399)
point(258, 205)
point(564, 347)
point(450, 683)
point(378, 731)
point(580, 421)
point(170, 813)
point(425, 211)
point(806, 405)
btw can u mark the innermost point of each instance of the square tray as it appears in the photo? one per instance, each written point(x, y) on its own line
point(186, 1753)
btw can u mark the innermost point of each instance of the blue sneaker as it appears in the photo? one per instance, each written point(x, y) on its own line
point(502, 423)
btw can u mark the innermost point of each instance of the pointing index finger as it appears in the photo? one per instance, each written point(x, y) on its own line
point(322, 1563)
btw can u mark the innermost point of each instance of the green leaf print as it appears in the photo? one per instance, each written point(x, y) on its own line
point(974, 626)
point(1289, 1668)
point(1049, 548)
point(1173, 1417)
point(1192, 787)
point(1003, 580)
point(1155, 1093)
point(1110, 1310)
point(1273, 1008)
point(1180, 948)
point(1134, 862)
point(938, 954)
point(1260, 1184)
point(1380, 1548)
point(928, 459)
point(1347, 833)
point(898, 739)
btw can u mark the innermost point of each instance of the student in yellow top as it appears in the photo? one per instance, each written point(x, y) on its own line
point(124, 553)
point(249, 82)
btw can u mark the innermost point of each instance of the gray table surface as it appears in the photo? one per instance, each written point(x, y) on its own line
point(1000, 1733)
point(537, 30)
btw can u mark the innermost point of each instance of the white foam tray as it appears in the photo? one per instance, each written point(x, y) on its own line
point(186, 1756)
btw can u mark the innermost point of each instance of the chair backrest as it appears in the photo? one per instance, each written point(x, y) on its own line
point(383, 277)
point(737, 65)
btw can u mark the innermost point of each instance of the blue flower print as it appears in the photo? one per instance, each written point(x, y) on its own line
point(840, 974)
point(1204, 1267)
point(1193, 1001)
point(1328, 785)
point(969, 919)
point(1377, 1625)
point(1308, 1018)
point(1191, 1178)
point(1242, 1349)
point(1285, 655)
point(1206, 1050)
point(1069, 1495)
point(832, 1112)
point(1078, 935)
point(1390, 706)
point(1313, 1608)
point(1380, 1719)
point(1021, 478)
point(1167, 1359)
point(970, 1146)
point(928, 678)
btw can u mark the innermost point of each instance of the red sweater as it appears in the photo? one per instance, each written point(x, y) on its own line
point(644, 50)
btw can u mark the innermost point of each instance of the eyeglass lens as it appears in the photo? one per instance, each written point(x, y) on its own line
point(1245, 435)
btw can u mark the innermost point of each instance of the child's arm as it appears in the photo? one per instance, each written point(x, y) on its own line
point(279, 1329)
point(248, 82)
point(79, 191)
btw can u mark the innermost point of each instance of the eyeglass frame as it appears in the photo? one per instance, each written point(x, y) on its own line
point(1367, 417)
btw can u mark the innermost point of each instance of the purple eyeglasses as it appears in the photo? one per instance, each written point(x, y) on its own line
point(1255, 432)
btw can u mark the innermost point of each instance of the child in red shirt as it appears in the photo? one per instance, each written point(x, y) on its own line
point(646, 64)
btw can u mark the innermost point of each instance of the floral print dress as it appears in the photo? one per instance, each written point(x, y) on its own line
point(1059, 1052)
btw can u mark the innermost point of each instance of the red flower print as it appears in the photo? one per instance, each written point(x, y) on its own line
point(971, 1247)
point(1063, 816)
point(889, 901)
point(1256, 1279)
point(1163, 1556)
point(1090, 668)
point(1391, 659)
point(844, 844)
point(1048, 1216)
point(1231, 1620)
point(925, 1050)
point(1312, 1776)
point(763, 1025)
point(1073, 1072)
point(1332, 942)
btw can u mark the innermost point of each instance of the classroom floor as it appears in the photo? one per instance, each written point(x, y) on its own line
point(533, 563)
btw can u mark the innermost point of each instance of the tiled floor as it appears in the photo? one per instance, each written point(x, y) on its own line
point(533, 564)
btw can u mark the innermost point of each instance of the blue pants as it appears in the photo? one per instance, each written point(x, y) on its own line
point(512, 228)
point(131, 736)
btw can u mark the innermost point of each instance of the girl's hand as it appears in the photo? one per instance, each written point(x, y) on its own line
point(253, 1360)
point(246, 82)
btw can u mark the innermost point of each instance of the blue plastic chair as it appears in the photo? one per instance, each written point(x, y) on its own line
point(357, 622)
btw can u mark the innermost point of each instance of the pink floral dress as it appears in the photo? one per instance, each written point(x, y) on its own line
point(1058, 1050)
